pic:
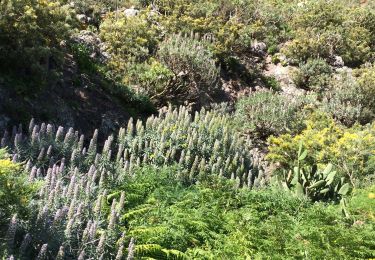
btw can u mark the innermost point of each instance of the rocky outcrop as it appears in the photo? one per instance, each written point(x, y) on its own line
point(93, 43)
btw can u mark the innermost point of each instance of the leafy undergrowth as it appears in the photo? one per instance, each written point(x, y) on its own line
point(213, 220)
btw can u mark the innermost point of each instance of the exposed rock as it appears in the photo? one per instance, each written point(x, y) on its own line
point(259, 47)
point(131, 12)
point(283, 74)
point(93, 43)
point(82, 18)
point(336, 61)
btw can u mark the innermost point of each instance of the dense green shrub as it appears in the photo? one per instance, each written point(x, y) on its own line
point(323, 28)
point(313, 75)
point(129, 39)
point(31, 34)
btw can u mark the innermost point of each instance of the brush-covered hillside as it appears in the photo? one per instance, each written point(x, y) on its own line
point(175, 129)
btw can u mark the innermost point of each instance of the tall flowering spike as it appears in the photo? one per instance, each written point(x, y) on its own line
point(130, 128)
point(49, 131)
point(92, 231)
point(43, 252)
point(68, 228)
point(121, 202)
point(69, 136)
point(58, 216)
point(15, 158)
point(81, 142)
point(25, 244)
point(81, 255)
point(31, 125)
point(131, 249)
point(11, 232)
point(59, 134)
point(43, 129)
point(97, 159)
point(41, 154)
point(112, 216)
point(119, 152)
point(93, 142)
point(101, 244)
point(120, 252)
point(49, 151)
point(61, 254)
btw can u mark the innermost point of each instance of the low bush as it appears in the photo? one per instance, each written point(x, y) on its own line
point(313, 75)
point(194, 68)
point(266, 113)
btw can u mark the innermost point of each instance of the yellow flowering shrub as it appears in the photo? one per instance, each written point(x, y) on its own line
point(351, 150)
point(15, 191)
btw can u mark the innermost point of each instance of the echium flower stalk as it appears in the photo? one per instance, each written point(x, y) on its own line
point(49, 151)
point(93, 143)
point(11, 232)
point(15, 158)
point(49, 131)
point(81, 142)
point(112, 216)
point(121, 203)
point(92, 231)
point(68, 228)
point(31, 125)
point(35, 135)
point(43, 129)
point(61, 254)
point(43, 252)
point(59, 215)
point(101, 244)
point(59, 134)
point(69, 136)
point(86, 232)
point(130, 128)
point(17, 142)
point(71, 209)
point(43, 216)
point(131, 249)
point(120, 250)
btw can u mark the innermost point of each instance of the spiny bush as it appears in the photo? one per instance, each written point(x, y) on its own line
point(194, 68)
point(266, 113)
point(344, 100)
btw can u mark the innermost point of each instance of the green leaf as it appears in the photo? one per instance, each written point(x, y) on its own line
point(324, 191)
point(318, 184)
point(331, 177)
point(344, 189)
point(302, 156)
point(328, 169)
